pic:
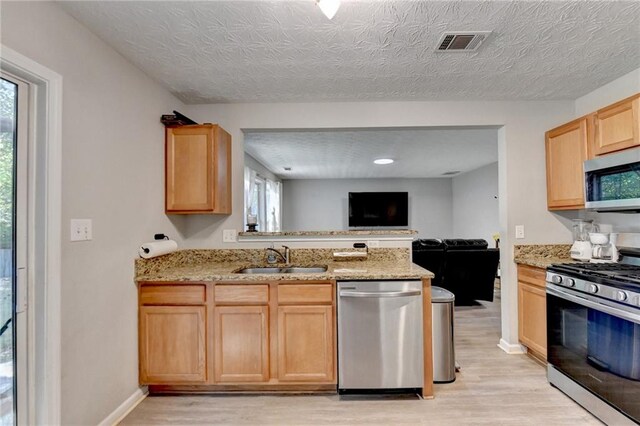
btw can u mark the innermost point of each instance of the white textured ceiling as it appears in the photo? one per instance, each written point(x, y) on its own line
point(331, 154)
point(279, 51)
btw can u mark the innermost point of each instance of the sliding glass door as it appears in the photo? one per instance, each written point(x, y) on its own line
point(13, 99)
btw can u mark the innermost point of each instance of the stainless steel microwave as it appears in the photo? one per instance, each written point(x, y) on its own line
point(612, 182)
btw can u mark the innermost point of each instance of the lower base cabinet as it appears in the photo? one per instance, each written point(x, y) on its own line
point(172, 344)
point(532, 310)
point(241, 344)
point(305, 343)
point(247, 336)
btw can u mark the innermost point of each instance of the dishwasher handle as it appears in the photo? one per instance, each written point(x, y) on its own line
point(379, 294)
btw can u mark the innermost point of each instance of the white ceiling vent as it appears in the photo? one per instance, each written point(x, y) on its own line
point(461, 41)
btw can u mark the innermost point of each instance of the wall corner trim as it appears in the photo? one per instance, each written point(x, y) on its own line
point(512, 349)
point(126, 407)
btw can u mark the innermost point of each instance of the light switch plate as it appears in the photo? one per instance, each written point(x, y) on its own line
point(81, 230)
point(519, 232)
point(229, 236)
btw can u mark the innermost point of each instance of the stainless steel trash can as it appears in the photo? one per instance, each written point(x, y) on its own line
point(444, 360)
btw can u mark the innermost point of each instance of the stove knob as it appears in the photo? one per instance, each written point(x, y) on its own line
point(593, 288)
point(556, 279)
point(621, 296)
point(571, 282)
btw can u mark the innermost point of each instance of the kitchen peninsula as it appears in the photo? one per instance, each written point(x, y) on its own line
point(205, 327)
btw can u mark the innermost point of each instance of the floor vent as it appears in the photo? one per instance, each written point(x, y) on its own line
point(461, 41)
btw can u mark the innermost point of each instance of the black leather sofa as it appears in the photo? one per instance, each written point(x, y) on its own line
point(467, 268)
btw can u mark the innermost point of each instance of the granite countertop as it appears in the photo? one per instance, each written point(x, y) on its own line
point(224, 271)
point(408, 232)
point(541, 255)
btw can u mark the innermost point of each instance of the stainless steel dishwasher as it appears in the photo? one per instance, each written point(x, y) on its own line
point(379, 335)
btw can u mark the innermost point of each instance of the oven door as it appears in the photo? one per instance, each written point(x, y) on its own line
point(612, 182)
point(597, 345)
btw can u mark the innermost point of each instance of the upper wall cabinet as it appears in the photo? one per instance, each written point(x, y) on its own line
point(618, 126)
point(567, 147)
point(198, 170)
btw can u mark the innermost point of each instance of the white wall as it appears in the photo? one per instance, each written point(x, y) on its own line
point(614, 91)
point(112, 172)
point(260, 168)
point(322, 204)
point(623, 87)
point(475, 204)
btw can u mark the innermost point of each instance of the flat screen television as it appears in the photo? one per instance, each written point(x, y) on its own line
point(378, 209)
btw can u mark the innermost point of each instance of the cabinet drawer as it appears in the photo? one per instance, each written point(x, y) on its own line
point(305, 293)
point(531, 275)
point(247, 293)
point(183, 294)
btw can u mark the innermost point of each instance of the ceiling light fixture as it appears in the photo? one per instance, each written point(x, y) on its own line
point(329, 7)
point(383, 161)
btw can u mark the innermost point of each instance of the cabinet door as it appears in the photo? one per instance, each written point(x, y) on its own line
point(172, 344)
point(566, 149)
point(618, 126)
point(532, 318)
point(198, 170)
point(306, 348)
point(241, 344)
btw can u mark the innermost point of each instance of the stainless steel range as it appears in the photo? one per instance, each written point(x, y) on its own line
point(593, 334)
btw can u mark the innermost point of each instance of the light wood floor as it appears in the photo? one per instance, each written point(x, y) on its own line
point(492, 388)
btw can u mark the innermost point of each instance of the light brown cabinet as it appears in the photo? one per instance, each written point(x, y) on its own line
point(305, 343)
point(610, 129)
point(230, 336)
point(197, 170)
point(567, 147)
point(172, 344)
point(241, 344)
point(532, 310)
point(618, 126)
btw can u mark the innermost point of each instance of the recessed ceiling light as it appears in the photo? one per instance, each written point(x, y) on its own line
point(329, 7)
point(383, 161)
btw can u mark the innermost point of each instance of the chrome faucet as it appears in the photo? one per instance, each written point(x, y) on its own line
point(272, 259)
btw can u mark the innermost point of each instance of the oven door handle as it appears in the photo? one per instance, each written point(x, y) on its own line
point(630, 316)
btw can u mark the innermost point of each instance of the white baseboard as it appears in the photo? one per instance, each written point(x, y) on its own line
point(125, 408)
point(512, 349)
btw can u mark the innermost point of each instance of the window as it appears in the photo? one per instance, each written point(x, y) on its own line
point(262, 201)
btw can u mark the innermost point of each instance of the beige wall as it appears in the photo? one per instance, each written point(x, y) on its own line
point(112, 172)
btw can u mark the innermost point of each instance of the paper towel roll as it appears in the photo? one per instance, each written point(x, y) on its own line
point(157, 248)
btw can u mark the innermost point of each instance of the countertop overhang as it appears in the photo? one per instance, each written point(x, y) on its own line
point(342, 271)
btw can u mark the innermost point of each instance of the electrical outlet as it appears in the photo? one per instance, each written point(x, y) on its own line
point(373, 244)
point(519, 232)
point(229, 236)
point(81, 230)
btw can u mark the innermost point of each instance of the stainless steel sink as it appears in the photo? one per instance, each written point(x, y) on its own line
point(282, 270)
